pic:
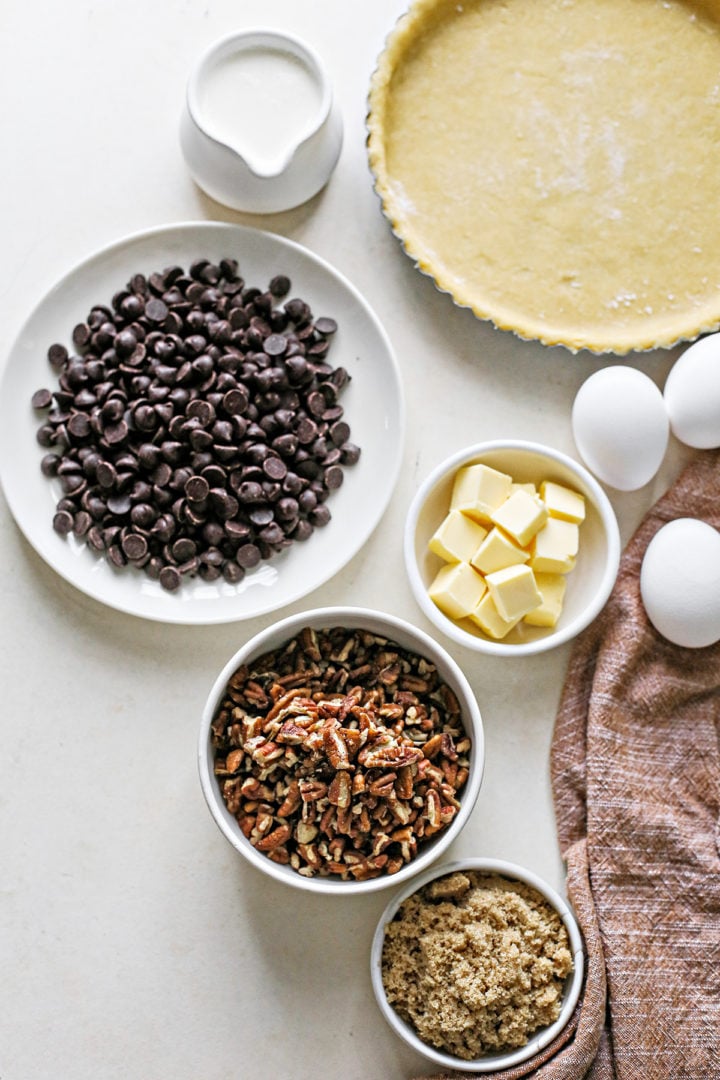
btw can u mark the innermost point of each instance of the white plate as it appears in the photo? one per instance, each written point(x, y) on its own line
point(372, 401)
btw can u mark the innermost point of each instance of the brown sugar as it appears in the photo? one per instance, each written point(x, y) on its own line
point(476, 963)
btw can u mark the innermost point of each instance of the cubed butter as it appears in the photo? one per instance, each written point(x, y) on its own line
point(489, 619)
point(478, 490)
point(562, 502)
point(554, 548)
point(514, 591)
point(521, 515)
point(552, 590)
point(498, 551)
point(457, 538)
point(530, 488)
point(457, 589)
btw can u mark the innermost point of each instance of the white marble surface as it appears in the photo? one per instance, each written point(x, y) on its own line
point(135, 944)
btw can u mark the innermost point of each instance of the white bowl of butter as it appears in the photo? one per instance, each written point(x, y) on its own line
point(511, 547)
point(260, 130)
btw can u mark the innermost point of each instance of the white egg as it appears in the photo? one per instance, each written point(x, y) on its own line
point(680, 582)
point(620, 427)
point(692, 394)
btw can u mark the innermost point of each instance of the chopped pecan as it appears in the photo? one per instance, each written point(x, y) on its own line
point(447, 746)
point(255, 694)
point(433, 746)
point(340, 790)
point(309, 644)
point(415, 684)
point(274, 839)
point(234, 760)
point(282, 702)
point(335, 748)
point(291, 733)
point(292, 800)
point(449, 769)
point(251, 788)
point(390, 757)
point(352, 738)
point(312, 790)
point(310, 854)
point(304, 833)
point(432, 807)
point(405, 783)
point(383, 785)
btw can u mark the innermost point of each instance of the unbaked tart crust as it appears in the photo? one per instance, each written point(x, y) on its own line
point(555, 164)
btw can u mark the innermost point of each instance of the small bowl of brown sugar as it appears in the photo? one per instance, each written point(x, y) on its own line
point(477, 964)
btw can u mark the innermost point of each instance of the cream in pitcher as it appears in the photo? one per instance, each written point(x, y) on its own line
point(260, 131)
point(261, 102)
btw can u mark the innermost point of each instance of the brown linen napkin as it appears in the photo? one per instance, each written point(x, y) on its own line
point(635, 765)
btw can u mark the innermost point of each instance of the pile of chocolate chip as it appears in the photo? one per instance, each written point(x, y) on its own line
point(196, 428)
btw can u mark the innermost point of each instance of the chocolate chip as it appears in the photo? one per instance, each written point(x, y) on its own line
point(319, 516)
point(79, 425)
point(115, 556)
point(197, 489)
point(106, 474)
point(95, 538)
point(49, 464)
point(57, 357)
point(248, 556)
point(212, 557)
point(134, 546)
point(63, 522)
point(274, 468)
point(116, 434)
point(275, 345)
point(261, 516)
point(303, 530)
point(236, 531)
point(82, 523)
point(306, 431)
point(81, 335)
point(307, 500)
point(324, 325)
point(279, 286)
point(156, 310)
point(200, 410)
point(250, 492)
point(143, 515)
point(350, 454)
point(225, 505)
point(235, 401)
point(41, 399)
point(333, 477)
point(170, 578)
point(340, 432)
point(119, 505)
point(145, 418)
point(272, 534)
point(184, 549)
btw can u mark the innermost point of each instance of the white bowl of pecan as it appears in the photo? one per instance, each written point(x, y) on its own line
point(478, 965)
point(341, 750)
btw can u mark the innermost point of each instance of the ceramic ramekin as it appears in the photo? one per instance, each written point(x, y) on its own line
point(491, 1062)
point(409, 638)
point(588, 585)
